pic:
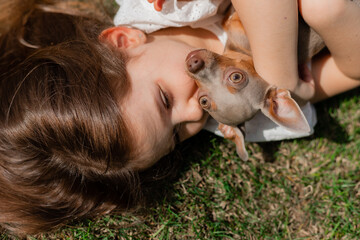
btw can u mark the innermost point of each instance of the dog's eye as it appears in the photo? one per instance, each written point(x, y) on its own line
point(236, 77)
point(204, 102)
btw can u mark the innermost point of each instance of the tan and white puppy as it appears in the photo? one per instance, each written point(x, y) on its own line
point(232, 92)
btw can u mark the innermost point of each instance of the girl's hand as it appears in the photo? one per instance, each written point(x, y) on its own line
point(157, 4)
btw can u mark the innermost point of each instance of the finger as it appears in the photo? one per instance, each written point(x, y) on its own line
point(306, 86)
point(151, 1)
point(304, 92)
point(158, 5)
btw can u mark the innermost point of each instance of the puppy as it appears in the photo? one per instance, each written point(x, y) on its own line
point(232, 92)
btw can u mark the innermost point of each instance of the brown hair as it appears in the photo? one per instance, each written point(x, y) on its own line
point(64, 142)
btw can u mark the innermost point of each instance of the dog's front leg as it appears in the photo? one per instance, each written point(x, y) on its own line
point(235, 135)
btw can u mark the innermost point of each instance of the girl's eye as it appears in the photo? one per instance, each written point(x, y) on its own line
point(236, 77)
point(165, 99)
point(204, 102)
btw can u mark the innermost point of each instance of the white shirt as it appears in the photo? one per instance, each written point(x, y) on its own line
point(206, 14)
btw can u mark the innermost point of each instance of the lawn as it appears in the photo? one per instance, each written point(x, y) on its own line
point(297, 189)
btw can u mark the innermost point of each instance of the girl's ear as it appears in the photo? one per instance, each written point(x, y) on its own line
point(123, 37)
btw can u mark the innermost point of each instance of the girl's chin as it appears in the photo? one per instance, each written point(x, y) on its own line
point(196, 129)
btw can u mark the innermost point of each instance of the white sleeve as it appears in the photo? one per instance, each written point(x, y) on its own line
point(262, 129)
point(142, 15)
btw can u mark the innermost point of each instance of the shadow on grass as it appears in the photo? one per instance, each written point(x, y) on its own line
point(178, 163)
point(328, 126)
point(195, 148)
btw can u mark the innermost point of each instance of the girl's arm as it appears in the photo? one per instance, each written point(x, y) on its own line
point(329, 79)
point(272, 30)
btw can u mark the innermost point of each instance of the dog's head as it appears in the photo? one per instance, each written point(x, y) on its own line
point(232, 92)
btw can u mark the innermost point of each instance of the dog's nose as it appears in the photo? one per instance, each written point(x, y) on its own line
point(194, 62)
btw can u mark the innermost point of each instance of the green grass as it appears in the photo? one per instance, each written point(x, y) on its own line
point(309, 189)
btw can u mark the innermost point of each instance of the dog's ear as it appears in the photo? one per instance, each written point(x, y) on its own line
point(284, 111)
point(235, 135)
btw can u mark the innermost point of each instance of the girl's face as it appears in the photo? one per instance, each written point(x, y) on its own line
point(162, 106)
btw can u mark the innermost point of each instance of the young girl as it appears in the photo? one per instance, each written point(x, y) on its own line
point(86, 109)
